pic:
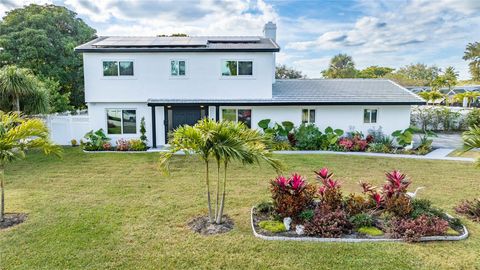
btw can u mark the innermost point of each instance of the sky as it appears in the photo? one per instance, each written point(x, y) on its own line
point(390, 33)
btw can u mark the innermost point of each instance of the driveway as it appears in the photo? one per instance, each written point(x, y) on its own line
point(451, 140)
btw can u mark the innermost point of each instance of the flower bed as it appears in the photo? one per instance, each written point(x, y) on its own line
point(98, 142)
point(306, 211)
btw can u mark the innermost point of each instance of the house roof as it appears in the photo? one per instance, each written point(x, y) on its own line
point(320, 92)
point(179, 44)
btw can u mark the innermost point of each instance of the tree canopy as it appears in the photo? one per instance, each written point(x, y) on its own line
point(42, 38)
point(284, 72)
point(374, 72)
point(472, 53)
point(341, 66)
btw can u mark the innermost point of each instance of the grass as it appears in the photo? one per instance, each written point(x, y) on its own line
point(117, 211)
point(470, 154)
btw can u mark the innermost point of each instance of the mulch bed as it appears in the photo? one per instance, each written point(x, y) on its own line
point(12, 219)
point(203, 226)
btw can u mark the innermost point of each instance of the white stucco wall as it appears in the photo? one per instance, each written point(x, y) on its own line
point(152, 78)
point(390, 118)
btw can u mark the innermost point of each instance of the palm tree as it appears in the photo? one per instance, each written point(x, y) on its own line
point(20, 85)
point(471, 139)
point(431, 96)
point(224, 141)
point(17, 135)
point(472, 53)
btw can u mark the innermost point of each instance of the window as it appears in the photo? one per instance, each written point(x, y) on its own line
point(237, 68)
point(238, 115)
point(370, 116)
point(121, 121)
point(308, 116)
point(117, 68)
point(177, 68)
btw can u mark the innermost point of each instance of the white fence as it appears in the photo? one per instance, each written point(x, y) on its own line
point(64, 128)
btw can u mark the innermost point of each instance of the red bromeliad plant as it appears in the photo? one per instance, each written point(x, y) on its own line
point(329, 192)
point(291, 195)
point(397, 183)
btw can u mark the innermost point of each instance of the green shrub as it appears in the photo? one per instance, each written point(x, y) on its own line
point(370, 230)
point(308, 137)
point(281, 145)
point(307, 215)
point(424, 207)
point(473, 118)
point(74, 142)
point(95, 140)
point(137, 145)
point(361, 220)
point(264, 207)
point(272, 226)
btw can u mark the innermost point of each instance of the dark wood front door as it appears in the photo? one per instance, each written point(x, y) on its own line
point(185, 116)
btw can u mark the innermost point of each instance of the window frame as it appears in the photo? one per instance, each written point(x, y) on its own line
point(121, 121)
point(236, 113)
point(370, 116)
point(238, 67)
point(309, 111)
point(170, 68)
point(118, 76)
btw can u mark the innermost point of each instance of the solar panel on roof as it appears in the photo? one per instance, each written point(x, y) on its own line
point(151, 42)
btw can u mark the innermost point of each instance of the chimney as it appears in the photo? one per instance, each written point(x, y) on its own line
point(270, 31)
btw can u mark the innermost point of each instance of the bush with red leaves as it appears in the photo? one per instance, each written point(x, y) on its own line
point(471, 209)
point(412, 229)
point(328, 223)
point(291, 195)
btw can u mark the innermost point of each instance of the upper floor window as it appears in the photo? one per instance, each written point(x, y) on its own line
point(117, 68)
point(121, 121)
point(238, 115)
point(177, 67)
point(308, 116)
point(237, 68)
point(370, 116)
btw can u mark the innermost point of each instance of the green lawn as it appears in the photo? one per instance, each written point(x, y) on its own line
point(117, 211)
point(469, 154)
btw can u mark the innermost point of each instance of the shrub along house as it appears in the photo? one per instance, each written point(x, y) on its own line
point(173, 81)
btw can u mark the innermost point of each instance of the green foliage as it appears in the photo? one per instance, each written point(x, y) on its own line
point(403, 138)
point(308, 137)
point(277, 130)
point(471, 139)
point(42, 38)
point(143, 131)
point(473, 118)
point(361, 220)
point(284, 72)
point(374, 72)
point(272, 226)
point(58, 102)
point(307, 215)
point(415, 75)
point(95, 140)
point(472, 53)
point(137, 145)
point(424, 207)
point(20, 89)
point(264, 207)
point(73, 142)
point(431, 96)
point(341, 66)
point(370, 230)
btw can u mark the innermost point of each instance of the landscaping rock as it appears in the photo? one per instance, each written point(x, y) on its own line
point(300, 229)
point(203, 226)
point(287, 221)
point(12, 219)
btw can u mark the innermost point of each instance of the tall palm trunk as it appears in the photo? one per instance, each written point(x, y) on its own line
point(210, 216)
point(2, 199)
point(17, 103)
point(222, 204)
point(218, 188)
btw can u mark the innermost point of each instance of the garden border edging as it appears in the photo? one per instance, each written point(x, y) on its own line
point(352, 240)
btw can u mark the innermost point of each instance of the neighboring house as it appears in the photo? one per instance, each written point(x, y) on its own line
point(173, 81)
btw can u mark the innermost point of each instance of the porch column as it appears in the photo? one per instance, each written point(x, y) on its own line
point(154, 128)
point(217, 113)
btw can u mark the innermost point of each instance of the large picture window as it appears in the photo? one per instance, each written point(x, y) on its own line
point(117, 68)
point(237, 68)
point(177, 68)
point(308, 116)
point(121, 121)
point(238, 115)
point(370, 116)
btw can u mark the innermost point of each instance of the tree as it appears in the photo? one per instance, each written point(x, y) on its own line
point(341, 66)
point(415, 75)
point(471, 139)
point(284, 72)
point(431, 96)
point(472, 53)
point(17, 136)
point(58, 102)
point(451, 77)
point(470, 96)
point(374, 72)
point(224, 142)
point(18, 86)
point(42, 38)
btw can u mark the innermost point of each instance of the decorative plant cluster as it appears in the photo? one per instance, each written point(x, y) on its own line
point(309, 137)
point(471, 209)
point(98, 141)
point(321, 210)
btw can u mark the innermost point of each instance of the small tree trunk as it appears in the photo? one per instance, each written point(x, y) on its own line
point(17, 104)
point(210, 216)
point(218, 188)
point(222, 204)
point(2, 196)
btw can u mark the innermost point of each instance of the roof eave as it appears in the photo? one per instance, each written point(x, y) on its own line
point(129, 50)
point(281, 103)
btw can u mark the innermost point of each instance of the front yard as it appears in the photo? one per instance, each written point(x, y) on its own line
point(110, 211)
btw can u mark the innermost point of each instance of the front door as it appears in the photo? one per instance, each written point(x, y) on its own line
point(185, 116)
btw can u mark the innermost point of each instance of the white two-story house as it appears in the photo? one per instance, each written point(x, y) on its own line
point(172, 81)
